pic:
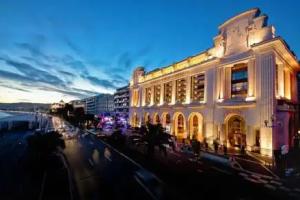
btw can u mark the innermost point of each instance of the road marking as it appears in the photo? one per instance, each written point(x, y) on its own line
point(91, 162)
point(297, 189)
point(276, 182)
point(199, 162)
point(145, 188)
point(221, 170)
point(270, 186)
point(252, 180)
point(285, 189)
point(243, 174)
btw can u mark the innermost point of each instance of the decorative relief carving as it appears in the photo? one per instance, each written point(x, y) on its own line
point(240, 32)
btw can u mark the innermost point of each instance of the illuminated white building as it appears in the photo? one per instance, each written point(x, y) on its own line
point(242, 91)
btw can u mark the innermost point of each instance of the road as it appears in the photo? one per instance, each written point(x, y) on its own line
point(102, 173)
point(12, 184)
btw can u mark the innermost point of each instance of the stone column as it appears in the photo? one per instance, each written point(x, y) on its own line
point(220, 82)
point(280, 80)
point(152, 95)
point(143, 99)
point(173, 92)
point(294, 86)
point(205, 86)
point(227, 82)
point(139, 97)
point(287, 84)
point(188, 90)
point(162, 92)
point(251, 78)
point(267, 102)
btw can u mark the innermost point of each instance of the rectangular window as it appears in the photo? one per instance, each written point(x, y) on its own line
point(239, 81)
point(181, 90)
point(157, 91)
point(168, 92)
point(148, 96)
point(197, 87)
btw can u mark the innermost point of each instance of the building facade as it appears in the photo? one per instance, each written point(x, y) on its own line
point(102, 103)
point(242, 91)
point(56, 106)
point(78, 104)
point(121, 100)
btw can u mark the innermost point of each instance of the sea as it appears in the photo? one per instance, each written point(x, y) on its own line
point(4, 115)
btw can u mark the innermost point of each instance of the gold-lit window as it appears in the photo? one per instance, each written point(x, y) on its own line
point(148, 96)
point(157, 92)
point(180, 124)
point(197, 87)
point(239, 81)
point(181, 90)
point(168, 92)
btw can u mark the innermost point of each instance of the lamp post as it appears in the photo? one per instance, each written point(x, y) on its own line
point(274, 122)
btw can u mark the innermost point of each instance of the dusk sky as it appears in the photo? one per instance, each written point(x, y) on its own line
point(57, 49)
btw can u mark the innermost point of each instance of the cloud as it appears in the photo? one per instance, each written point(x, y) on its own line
point(43, 85)
point(100, 82)
point(15, 77)
point(72, 46)
point(68, 74)
point(66, 92)
point(13, 87)
point(34, 50)
point(34, 73)
point(76, 64)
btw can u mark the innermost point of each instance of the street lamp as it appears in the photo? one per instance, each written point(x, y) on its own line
point(274, 122)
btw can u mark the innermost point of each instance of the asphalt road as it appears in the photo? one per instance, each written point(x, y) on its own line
point(102, 173)
point(12, 145)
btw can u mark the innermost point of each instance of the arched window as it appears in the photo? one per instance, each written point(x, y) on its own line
point(180, 124)
point(168, 118)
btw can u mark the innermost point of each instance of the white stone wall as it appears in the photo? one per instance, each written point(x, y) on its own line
point(232, 46)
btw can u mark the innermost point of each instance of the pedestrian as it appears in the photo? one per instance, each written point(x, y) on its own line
point(216, 146)
point(243, 149)
point(225, 149)
point(205, 144)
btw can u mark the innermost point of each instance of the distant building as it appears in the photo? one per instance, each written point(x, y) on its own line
point(101, 103)
point(121, 100)
point(56, 106)
point(78, 104)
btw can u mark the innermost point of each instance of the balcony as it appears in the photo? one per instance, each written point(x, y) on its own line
point(236, 103)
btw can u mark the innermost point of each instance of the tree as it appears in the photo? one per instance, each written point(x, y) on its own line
point(155, 136)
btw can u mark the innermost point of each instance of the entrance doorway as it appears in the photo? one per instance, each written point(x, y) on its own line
point(236, 133)
point(195, 126)
point(179, 125)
